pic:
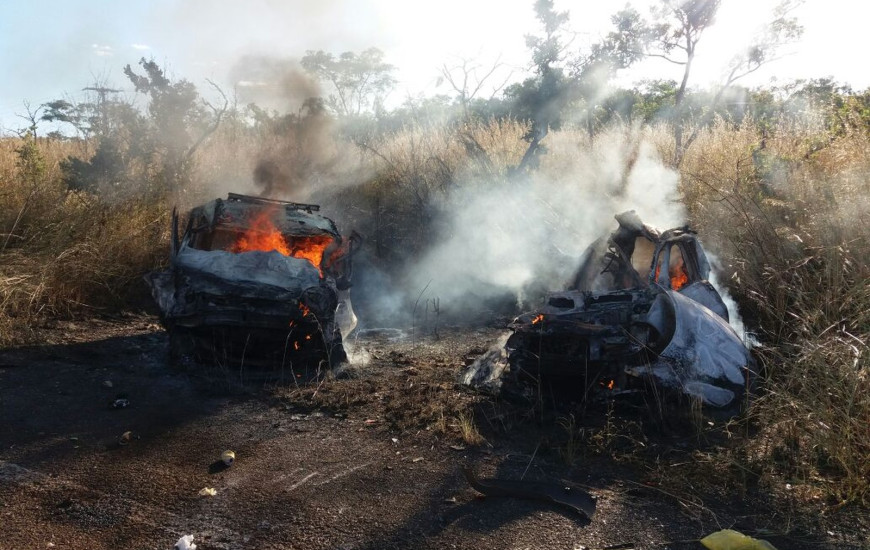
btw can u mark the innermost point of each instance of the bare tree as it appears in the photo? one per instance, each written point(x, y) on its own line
point(32, 115)
point(218, 113)
point(781, 30)
point(467, 78)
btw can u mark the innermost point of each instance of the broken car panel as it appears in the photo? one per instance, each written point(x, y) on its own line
point(639, 308)
point(256, 280)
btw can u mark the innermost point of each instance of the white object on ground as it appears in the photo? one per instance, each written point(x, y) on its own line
point(228, 457)
point(185, 543)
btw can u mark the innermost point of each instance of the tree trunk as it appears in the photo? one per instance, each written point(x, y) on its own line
point(679, 147)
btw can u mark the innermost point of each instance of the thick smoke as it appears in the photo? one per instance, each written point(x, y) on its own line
point(528, 234)
point(503, 243)
point(525, 237)
point(300, 154)
point(272, 83)
point(271, 179)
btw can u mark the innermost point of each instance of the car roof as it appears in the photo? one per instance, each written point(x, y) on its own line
point(292, 218)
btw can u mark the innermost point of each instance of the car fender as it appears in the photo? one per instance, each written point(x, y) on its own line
point(703, 355)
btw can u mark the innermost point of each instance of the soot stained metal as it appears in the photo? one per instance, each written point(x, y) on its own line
point(257, 282)
point(639, 309)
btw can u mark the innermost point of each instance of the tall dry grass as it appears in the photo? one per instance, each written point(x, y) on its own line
point(790, 221)
point(64, 253)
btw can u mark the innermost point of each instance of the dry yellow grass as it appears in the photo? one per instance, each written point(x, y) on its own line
point(789, 220)
point(67, 252)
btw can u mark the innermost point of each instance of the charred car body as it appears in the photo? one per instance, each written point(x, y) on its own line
point(640, 309)
point(257, 282)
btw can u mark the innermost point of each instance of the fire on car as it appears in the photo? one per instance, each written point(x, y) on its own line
point(639, 309)
point(257, 282)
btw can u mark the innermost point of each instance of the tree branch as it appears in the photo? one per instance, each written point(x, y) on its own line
point(218, 112)
point(666, 58)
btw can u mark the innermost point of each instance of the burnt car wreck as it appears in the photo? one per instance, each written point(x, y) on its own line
point(256, 282)
point(639, 313)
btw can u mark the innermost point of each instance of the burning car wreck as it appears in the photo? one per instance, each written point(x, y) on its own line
point(639, 309)
point(257, 282)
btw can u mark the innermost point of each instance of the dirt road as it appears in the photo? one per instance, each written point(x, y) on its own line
point(369, 462)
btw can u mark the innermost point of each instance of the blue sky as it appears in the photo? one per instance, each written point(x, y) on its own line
point(49, 48)
point(52, 47)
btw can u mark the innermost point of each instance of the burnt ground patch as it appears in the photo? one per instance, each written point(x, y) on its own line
point(368, 461)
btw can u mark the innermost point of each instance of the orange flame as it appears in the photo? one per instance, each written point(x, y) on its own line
point(610, 385)
point(677, 274)
point(679, 277)
point(538, 319)
point(264, 236)
point(304, 309)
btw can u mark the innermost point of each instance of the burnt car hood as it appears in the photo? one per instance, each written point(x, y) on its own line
point(254, 274)
point(249, 271)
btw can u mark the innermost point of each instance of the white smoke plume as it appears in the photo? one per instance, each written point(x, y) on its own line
point(734, 317)
point(511, 235)
point(528, 235)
